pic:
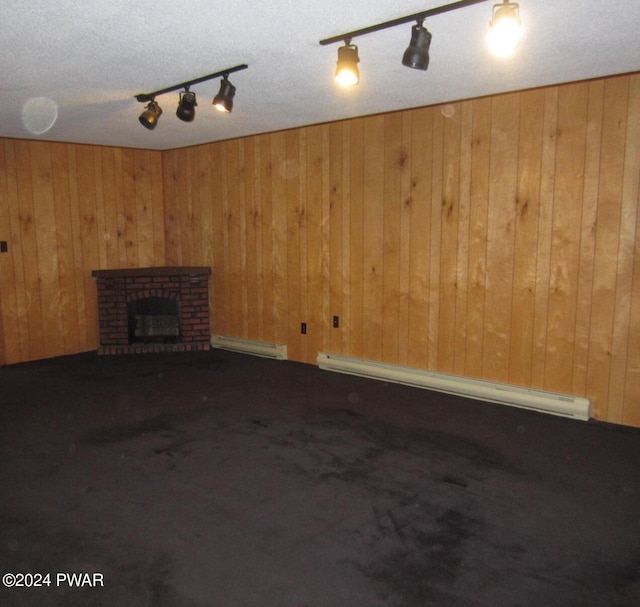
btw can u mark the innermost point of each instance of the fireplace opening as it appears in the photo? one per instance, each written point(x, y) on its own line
point(158, 309)
point(154, 320)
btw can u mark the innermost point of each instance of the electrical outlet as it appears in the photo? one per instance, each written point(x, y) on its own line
point(303, 328)
point(336, 322)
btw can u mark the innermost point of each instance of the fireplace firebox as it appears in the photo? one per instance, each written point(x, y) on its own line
point(161, 309)
point(154, 319)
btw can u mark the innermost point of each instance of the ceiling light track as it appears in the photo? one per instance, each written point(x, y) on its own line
point(504, 36)
point(401, 21)
point(223, 101)
point(146, 97)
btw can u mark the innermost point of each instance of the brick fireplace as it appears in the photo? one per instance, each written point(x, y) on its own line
point(163, 309)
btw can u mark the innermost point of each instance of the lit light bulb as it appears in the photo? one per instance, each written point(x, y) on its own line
point(506, 30)
point(346, 77)
point(347, 73)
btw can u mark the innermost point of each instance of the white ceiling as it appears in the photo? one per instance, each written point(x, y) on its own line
point(88, 59)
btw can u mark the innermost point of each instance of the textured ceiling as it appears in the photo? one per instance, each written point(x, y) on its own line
point(84, 61)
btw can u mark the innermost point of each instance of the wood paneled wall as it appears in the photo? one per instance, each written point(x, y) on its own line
point(66, 210)
point(498, 243)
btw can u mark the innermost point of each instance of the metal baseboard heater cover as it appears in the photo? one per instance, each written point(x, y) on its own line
point(575, 407)
point(249, 346)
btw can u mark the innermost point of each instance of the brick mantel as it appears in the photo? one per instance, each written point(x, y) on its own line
point(118, 287)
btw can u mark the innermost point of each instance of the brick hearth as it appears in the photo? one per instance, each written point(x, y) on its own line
point(117, 288)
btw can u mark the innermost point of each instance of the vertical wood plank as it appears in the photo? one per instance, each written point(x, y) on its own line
point(435, 241)
point(622, 320)
point(8, 341)
point(259, 238)
point(187, 188)
point(223, 269)
point(266, 203)
point(235, 226)
point(345, 247)
point(335, 230)
point(68, 281)
point(85, 286)
point(565, 239)
point(251, 222)
point(420, 236)
point(500, 236)
point(291, 176)
point(157, 199)
point(98, 191)
point(372, 274)
point(588, 228)
point(325, 326)
point(545, 222)
point(391, 238)
point(130, 215)
point(204, 229)
point(143, 175)
point(356, 237)
point(631, 194)
point(14, 323)
point(29, 243)
point(84, 167)
point(405, 160)
point(478, 222)
point(449, 217)
point(631, 411)
point(200, 187)
point(303, 220)
point(219, 279)
point(279, 236)
point(607, 246)
point(527, 208)
point(314, 225)
point(172, 228)
point(109, 206)
point(464, 218)
point(120, 210)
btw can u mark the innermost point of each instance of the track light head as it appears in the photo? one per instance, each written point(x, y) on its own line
point(187, 106)
point(505, 31)
point(347, 73)
point(149, 118)
point(223, 101)
point(417, 54)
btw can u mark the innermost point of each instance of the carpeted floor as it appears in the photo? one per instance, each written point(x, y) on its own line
point(214, 479)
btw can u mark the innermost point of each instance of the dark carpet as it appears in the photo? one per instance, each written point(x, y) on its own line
point(217, 479)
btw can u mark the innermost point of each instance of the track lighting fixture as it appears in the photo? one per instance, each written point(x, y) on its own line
point(187, 107)
point(347, 72)
point(223, 101)
point(506, 30)
point(149, 118)
point(417, 53)
point(505, 17)
point(187, 104)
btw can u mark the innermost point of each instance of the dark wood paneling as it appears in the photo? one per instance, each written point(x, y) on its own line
point(497, 241)
point(66, 210)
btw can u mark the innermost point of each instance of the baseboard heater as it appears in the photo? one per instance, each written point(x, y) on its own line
point(249, 346)
point(575, 407)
